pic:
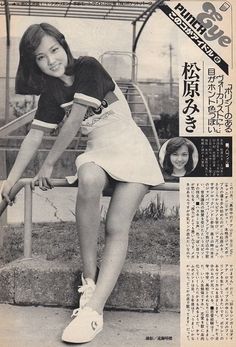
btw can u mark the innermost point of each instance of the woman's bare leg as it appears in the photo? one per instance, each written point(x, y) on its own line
point(92, 180)
point(125, 200)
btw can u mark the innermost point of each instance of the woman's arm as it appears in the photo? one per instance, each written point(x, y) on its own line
point(66, 135)
point(27, 150)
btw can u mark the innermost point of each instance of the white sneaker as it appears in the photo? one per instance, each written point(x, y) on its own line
point(84, 327)
point(86, 291)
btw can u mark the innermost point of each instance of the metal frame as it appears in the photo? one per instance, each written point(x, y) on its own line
point(144, 17)
point(107, 9)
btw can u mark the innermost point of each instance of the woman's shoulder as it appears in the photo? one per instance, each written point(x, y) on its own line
point(86, 62)
point(85, 59)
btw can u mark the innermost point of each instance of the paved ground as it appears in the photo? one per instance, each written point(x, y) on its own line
point(22, 326)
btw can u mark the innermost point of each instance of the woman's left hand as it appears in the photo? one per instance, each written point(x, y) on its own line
point(43, 178)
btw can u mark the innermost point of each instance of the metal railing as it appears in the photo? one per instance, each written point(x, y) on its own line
point(149, 115)
point(28, 206)
point(17, 123)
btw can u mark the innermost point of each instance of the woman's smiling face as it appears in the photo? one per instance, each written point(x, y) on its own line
point(179, 159)
point(51, 57)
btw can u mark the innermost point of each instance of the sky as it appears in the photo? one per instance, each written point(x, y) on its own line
point(94, 37)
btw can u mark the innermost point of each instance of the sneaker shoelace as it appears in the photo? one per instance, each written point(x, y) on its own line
point(87, 291)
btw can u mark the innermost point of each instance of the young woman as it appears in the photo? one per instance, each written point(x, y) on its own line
point(80, 93)
point(178, 160)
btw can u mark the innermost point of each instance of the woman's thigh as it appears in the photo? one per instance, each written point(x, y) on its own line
point(124, 202)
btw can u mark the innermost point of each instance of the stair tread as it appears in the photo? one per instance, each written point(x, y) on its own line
point(140, 112)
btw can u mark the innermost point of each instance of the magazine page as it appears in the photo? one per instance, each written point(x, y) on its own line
point(173, 64)
point(207, 262)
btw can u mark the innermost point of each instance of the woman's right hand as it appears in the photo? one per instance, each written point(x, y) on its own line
point(5, 190)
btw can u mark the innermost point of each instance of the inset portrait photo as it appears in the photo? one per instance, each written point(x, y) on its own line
point(178, 157)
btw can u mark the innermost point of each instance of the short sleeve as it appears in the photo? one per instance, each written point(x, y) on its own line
point(49, 114)
point(93, 83)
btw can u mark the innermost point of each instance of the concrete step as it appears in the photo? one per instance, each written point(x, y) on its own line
point(52, 276)
point(37, 281)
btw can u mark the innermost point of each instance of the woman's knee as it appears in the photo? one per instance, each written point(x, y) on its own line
point(92, 180)
point(117, 227)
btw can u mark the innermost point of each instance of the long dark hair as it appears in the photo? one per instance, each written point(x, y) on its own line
point(29, 78)
point(172, 146)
